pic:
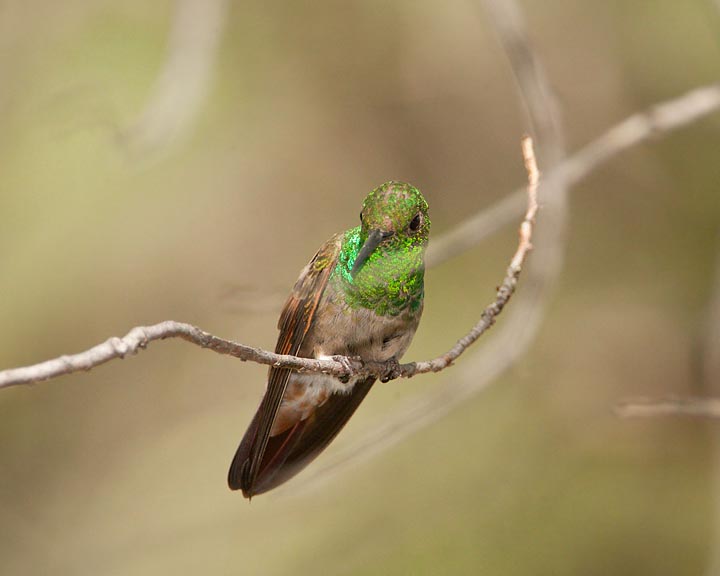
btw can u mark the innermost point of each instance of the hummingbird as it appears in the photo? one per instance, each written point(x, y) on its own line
point(361, 295)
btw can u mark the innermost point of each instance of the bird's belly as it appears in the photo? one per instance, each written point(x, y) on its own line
point(305, 393)
point(360, 332)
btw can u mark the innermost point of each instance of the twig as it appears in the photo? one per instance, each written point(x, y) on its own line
point(507, 288)
point(138, 338)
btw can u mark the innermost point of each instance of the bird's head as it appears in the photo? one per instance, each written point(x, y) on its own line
point(393, 221)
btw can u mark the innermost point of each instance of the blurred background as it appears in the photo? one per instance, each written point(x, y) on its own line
point(184, 161)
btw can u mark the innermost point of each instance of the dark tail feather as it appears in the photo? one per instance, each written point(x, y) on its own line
point(276, 452)
point(241, 461)
point(289, 452)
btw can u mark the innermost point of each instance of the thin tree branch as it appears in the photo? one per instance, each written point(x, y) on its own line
point(658, 120)
point(674, 406)
point(139, 337)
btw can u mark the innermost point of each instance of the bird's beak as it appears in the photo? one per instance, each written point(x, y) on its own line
point(371, 242)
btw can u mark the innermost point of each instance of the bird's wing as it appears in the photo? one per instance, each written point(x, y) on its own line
point(296, 447)
point(295, 321)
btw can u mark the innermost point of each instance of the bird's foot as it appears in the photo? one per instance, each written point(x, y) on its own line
point(392, 372)
point(347, 365)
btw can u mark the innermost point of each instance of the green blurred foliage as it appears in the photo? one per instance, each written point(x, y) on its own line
point(122, 471)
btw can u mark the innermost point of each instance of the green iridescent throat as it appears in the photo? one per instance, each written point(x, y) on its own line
point(390, 281)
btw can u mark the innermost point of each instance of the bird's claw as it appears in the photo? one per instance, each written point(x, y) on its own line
point(348, 367)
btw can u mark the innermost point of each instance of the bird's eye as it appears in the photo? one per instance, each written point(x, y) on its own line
point(415, 223)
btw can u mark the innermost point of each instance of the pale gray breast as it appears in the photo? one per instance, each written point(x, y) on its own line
point(341, 330)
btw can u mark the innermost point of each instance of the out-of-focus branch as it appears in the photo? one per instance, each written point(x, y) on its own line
point(708, 407)
point(138, 338)
point(659, 119)
point(184, 80)
point(636, 129)
point(675, 406)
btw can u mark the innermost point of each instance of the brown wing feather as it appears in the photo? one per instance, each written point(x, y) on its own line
point(295, 321)
point(301, 444)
